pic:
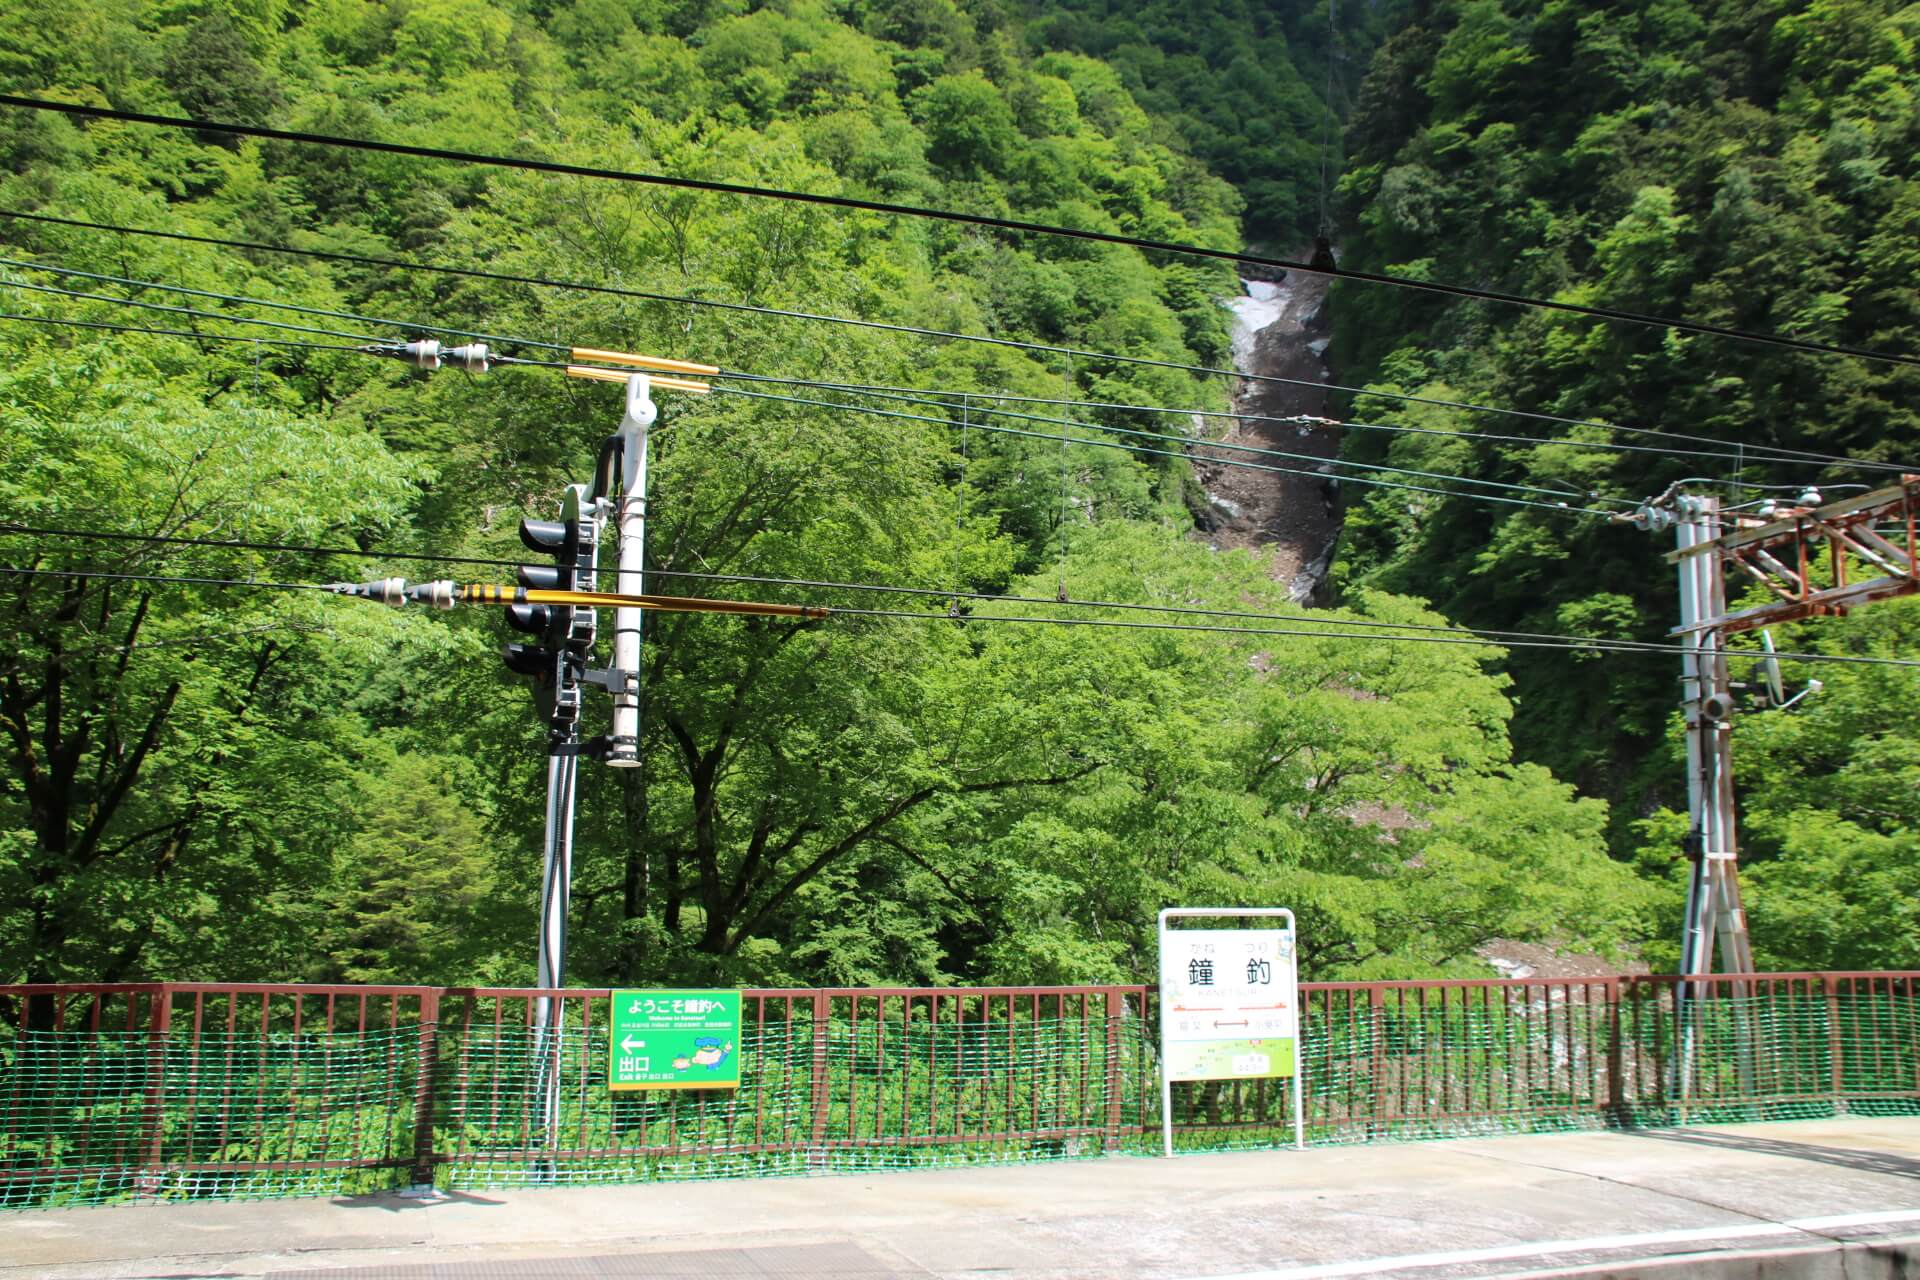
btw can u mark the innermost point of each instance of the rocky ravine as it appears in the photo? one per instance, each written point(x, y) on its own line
point(1280, 330)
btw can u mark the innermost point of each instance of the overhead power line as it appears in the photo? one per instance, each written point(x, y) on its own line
point(872, 412)
point(244, 339)
point(928, 593)
point(944, 215)
point(1754, 452)
point(1604, 646)
point(184, 311)
point(243, 300)
point(1561, 507)
point(921, 398)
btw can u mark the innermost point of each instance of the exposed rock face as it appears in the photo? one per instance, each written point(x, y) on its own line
point(1280, 331)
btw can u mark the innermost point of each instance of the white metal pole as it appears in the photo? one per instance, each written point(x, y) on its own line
point(1695, 669)
point(556, 883)
point(630, 516)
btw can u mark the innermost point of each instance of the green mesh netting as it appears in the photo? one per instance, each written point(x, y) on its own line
point(907, 1096)
point(90, 1117)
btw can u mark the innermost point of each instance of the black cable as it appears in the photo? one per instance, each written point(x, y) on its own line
point(240, 544)
point(1563, 508)
point(851, 408)
point(131, 283)
point(1760, 453)
point(169, 579)
point(1317, 422)
point(1573, 643)
point(244, 300)
point(184, 311)
point(943, 215)
point(1601, 646)
point(40, 531)
point(1094, 443)
point(920, 398)
point(178, 333)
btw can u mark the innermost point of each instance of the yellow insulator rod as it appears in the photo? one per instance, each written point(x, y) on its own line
point(614, 375)
point(661, 363)
point(487, 593)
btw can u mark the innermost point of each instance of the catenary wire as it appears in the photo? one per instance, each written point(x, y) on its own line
point(933, 593)
point(1605, 646)
point(1317, 422)
point(868, 388)
point(920, 398)
point(1563, 508)
point(945, 215)
point(8, 528)
point(1760, 453)
point(278, 306)
point(863, 409)
point(244, 339)
point(184, 311)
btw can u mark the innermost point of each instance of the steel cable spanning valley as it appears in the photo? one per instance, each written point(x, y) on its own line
point(1743, 452)
point(922, 398)
point(855, 204)
point(446, 594)
point(888, 393)
point(374, 346)
point(494, 595)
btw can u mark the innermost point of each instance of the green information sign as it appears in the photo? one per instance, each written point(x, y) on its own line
point(674, 1040)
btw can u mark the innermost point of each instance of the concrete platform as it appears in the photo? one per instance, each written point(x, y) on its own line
point(1807, 1198)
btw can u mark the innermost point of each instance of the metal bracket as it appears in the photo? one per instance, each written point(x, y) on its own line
point(615, 682)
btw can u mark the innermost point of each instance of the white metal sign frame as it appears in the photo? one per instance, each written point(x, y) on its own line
point(1292, 989)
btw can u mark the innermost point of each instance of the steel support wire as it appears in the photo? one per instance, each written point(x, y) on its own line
point(243, 300)
point(1196, 443)
point(1316, 422)
point(66, 323)
point(855, 204)
point(1562, 507)
point(1569, 642)
point(187, 311)
point(818, 584)
point(1188, 442)
point(370, 340)
point(1759, 453)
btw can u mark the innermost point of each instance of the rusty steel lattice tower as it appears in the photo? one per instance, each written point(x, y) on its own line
point(1785, 552)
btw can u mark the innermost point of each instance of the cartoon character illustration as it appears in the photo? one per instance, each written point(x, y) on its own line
point(708, 1052)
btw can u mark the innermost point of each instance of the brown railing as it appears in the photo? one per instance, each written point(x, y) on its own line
point(187, 1089)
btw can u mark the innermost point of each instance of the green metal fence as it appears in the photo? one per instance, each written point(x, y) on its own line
point(183, 1091)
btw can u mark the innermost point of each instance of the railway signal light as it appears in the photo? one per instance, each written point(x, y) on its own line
point(557, 660)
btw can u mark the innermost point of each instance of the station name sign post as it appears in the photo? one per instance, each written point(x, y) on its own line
point(1229, 1005)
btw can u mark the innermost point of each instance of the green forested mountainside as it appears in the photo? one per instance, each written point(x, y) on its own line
point(1244, 84)
point(1748, 163)
point(207, 782)
point(222, 783)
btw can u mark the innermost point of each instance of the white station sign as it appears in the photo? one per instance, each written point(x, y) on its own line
point(1229, 1003)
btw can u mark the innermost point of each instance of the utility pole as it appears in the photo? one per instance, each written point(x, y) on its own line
point(1780, 550)
point(557, 603)
point(1714, 912)
point(630, 518)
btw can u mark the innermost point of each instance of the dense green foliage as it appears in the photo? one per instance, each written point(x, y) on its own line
point(208, 782)
point(1246, 85)
point(1745, 164)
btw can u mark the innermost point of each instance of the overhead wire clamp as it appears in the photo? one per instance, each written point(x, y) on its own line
point(428, 354)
